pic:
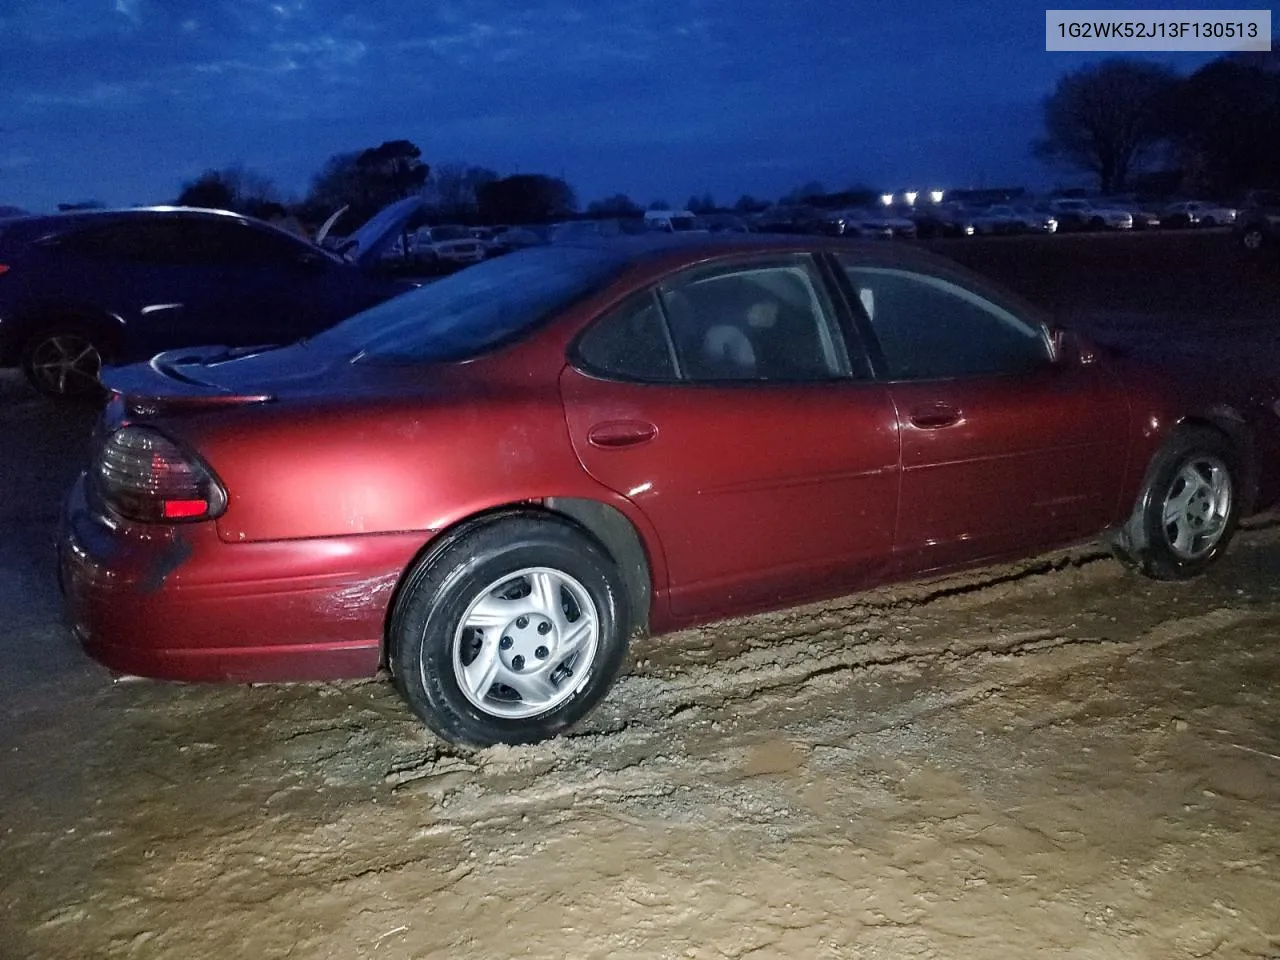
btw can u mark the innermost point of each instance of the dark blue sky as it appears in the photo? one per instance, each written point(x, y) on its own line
point(122, 100)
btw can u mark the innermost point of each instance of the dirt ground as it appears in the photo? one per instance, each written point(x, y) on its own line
point(1050, 759)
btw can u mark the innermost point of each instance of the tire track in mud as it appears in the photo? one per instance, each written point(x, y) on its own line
point(635, 750)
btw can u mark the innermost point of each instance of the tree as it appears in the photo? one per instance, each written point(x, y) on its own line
point(231, 188)
point(1107, 118)
point(749, 204)
point(456, 186)
point(619, 205)
point(396, 166)
point(805, 192)
point(366, 181)
point(526, 198)
point(701, 204)
point(1226, 126)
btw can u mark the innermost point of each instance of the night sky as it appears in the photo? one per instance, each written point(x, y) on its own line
point(123, 100)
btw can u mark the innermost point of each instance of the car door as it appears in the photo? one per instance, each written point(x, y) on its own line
point(271, 287)
point(724, 405)
point(1004, 451)
point(138, 270)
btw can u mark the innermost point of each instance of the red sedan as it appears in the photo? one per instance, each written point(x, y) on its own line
point(490, 484)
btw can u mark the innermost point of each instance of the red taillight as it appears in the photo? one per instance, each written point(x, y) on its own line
point(143, 475)
point(4, 268)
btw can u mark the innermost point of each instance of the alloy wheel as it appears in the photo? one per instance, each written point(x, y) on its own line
point(65, 364)
point(526, 643)
point(1197, 507)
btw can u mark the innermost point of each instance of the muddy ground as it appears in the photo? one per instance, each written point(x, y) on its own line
point(1051, 759)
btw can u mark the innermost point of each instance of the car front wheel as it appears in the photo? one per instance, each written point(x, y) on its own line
point(511, 632)
point(1188, 509)
point(1253, 239)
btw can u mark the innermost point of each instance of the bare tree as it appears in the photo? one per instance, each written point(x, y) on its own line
point(1106, 118)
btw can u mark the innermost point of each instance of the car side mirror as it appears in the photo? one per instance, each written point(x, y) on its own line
point(1067, 347)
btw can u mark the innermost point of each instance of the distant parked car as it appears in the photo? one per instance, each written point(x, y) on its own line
point(1006, 219)
point(1077, 214)
point(80, 290)
point(725, 223)
point(492, 484)
point(1146, 215)
point(878, 224)
point(507, 239)
point(454, 243)
point(1197, 213)
point(943, 220)
point(1258, 223)
point(571, 231)
point(790, 218)
point(671, 221)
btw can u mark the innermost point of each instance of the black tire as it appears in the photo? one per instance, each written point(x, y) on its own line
point(1253, 238)
point(1148, 542)
point(44, 348)
point(430, 643)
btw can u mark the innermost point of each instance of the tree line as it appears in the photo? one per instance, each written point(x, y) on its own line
point(1132, 125)
point(1137, 125)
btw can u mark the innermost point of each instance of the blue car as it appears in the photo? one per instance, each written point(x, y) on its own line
point(81, 290)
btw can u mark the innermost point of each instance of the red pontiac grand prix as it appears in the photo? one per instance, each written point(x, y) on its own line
point(490, 484)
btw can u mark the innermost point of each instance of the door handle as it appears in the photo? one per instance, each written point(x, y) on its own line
point(935, 417)
point(621, 433)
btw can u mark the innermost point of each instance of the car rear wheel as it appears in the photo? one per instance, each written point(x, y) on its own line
point(64, 362)
point(1188, 509)
point(1253, 239)
point(511, 632)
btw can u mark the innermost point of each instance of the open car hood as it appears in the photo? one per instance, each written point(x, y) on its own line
point(379, 231)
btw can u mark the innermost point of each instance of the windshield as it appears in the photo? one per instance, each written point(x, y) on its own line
point(473, 310)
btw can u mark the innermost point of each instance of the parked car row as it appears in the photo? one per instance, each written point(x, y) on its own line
point(952, 219)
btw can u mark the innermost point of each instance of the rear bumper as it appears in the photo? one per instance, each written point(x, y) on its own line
point(177, 603)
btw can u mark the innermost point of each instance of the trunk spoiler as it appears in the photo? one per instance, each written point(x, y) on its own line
point(173, 380)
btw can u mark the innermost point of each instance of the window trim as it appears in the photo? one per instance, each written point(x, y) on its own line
point(828, 306)
point(875, 349)
point(858, 366)
point(579, 362)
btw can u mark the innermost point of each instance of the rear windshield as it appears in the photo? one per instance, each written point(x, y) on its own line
point(475, 309)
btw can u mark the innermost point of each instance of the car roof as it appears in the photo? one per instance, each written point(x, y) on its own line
point(643, 247)
point(77, 217)
point(655, 254)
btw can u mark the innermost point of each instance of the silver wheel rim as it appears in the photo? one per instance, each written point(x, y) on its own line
point(1196, 507)
point(66, 363)
point(1253, 239)
point(526, 643)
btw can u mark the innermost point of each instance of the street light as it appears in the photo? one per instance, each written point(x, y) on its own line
point(886, 199)
point(935, 196)
point(911, 197)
